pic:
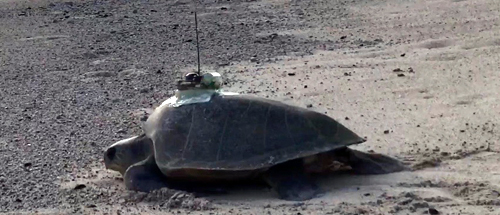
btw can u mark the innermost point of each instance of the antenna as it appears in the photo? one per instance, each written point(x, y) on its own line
point(197, 39)
point(192, 79)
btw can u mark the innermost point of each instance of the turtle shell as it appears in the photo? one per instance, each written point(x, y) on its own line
point(240, 132)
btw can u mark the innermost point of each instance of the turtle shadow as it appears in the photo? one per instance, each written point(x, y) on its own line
point(331, 184)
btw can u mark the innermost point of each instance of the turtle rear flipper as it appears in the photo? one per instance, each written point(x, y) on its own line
point(290, 181)
point(368, 163)
point(144, 176)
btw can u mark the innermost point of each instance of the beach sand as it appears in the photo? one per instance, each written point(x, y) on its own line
point(419, 79)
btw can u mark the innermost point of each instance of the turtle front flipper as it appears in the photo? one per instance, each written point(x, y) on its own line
point(290, 181)
point(368, 163)
point(144, 176)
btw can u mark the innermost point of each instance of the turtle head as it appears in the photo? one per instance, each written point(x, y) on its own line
point(124, 153)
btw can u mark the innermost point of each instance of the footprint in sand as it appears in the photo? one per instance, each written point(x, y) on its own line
point(436, 44)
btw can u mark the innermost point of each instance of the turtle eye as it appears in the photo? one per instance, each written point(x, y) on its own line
point(111, 153)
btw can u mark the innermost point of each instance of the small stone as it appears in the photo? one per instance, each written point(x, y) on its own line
point(79, 187)
point(404, 54)
point(445, 154)
point(343, 37)
point(397, 70)
point(309, 106)
point(409, 195)
point(346, 118)
point(386, 131)
point(291, 74)
point(27, 164)
point(433, 211)
point(121, 131)
point(401, 75)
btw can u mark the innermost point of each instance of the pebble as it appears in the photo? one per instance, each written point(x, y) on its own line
point(79, 186)
point(433, 211)
point(445, 154)
point(121, 131)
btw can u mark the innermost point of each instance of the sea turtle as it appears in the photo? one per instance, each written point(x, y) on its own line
point(235, 137)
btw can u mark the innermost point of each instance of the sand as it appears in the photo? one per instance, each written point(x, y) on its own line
point(418, 78)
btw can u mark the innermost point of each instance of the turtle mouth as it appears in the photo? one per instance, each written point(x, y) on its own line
point(107, 164)
point(113, 166)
